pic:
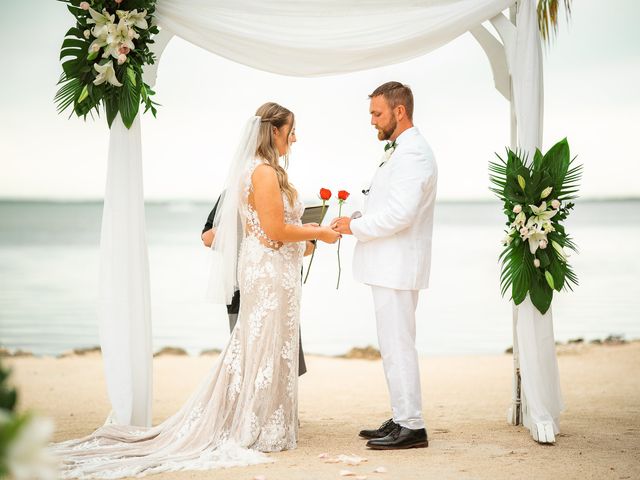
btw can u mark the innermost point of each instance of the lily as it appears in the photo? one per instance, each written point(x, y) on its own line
point(118, 39)
point(520, 220)
point(101, 20)
point(537, 240)
point(106, 73)
point(134, 18)
point(540, 215)
point(545, 193)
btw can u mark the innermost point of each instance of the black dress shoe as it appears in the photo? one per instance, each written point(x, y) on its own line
point(401, 438)
point(385, 429)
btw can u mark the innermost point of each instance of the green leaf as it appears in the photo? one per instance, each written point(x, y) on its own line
point(129, 99)
point(543, 257)
point(111, 108)
point(541, 295)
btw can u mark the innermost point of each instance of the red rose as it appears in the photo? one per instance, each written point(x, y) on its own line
point(325, 194)
point(343, 195)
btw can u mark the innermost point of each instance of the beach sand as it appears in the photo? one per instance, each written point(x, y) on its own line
point(465, 403)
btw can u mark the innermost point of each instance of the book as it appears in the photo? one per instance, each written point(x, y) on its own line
point(314, 214)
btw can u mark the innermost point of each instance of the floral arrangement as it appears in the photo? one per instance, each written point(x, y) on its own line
point(23, 439)
point(103, 57)
point(535, 198)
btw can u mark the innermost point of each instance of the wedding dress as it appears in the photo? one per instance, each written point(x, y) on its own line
point(248, 403)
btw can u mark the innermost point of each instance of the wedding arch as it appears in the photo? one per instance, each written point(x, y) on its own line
point(318, 37)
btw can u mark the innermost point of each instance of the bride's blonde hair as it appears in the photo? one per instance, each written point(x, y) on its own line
point(274, 115)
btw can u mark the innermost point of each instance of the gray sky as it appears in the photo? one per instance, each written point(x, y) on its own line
point(592, 73)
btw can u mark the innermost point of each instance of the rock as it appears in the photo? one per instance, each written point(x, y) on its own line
point(212, 351)
point(597, 341)
point(170, 351)
point(4, 352)
point(366, 353)
point(509, 350)
point(576, 340)
point(615, 340)
point(84, 351)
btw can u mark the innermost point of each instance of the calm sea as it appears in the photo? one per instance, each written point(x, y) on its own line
point(49, 270)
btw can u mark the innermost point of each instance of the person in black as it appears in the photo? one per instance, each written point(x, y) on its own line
point(208, 234)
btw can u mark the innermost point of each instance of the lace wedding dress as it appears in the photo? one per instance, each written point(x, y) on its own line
point(247, 404)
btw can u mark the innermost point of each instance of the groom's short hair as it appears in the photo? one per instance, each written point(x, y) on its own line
point(396, 94)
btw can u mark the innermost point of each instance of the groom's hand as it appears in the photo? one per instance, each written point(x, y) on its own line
point(342, 225)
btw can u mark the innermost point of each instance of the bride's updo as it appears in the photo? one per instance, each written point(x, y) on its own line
point(274, 115)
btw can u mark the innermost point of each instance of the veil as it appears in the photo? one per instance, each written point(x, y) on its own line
point(223, 274)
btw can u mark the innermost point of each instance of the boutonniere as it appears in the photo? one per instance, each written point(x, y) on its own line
point(389, 148)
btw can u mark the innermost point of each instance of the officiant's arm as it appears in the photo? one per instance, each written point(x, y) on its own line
point(268, 202)
point(409, 180)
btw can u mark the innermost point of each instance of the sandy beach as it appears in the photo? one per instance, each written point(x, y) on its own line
point(465, 402)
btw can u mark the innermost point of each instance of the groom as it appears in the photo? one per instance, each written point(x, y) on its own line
point(393, 256)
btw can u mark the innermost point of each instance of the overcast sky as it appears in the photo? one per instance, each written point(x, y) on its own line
point(592, 96)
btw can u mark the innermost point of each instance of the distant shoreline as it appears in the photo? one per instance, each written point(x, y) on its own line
point(360, 353)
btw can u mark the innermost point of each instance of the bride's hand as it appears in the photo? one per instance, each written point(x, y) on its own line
point(328, 235)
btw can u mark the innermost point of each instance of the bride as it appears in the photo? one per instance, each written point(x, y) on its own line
point(248, 403)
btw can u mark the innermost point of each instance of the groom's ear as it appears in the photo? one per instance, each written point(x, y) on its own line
point(401, 112)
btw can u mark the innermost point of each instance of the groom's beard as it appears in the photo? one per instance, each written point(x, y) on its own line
point(386, 132)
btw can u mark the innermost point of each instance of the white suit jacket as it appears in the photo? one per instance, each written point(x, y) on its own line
point(394, 231)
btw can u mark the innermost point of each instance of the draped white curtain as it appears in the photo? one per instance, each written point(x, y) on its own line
point(303, 38)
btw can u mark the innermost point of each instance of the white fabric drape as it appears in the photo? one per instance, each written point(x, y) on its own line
point(125, 319)
point(322, 37)
point(542, 399)
point(300, 38)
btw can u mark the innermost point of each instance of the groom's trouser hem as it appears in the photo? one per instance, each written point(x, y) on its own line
point(396, 325)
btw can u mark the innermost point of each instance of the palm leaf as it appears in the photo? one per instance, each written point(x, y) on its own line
point(548, 17)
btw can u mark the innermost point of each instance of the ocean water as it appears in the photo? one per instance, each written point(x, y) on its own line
point(49, 256)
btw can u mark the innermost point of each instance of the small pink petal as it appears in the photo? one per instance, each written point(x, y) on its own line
point(346, 473)
point(323, 455)
point(380, 470)
point(351, 459)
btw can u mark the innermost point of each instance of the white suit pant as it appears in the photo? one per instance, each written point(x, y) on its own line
point(396, 324)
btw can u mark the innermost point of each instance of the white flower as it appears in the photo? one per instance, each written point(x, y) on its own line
point(535, 239)
point(117, 39)
point(101, 20)
point(524, 231)
point(555, 204)
point(27, 457)
point(543, 243)
point(87, 34)
point(540, 215)
point(84, 5)
point(517, 209)
point(134, 18)
point(520, 220)
point(536, 263)
point(545, 193)
point(106, 73)
point(122, 58)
